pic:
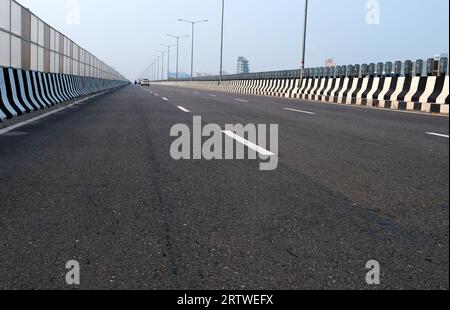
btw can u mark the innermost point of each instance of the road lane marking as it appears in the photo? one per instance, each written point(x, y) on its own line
point(183, 109)
point(213, 95)
point(300, 111)
point(437, 135)
point(249, 144)
point(196, 92)
point(165, 99)
point(156, 95)
point(21, 124)
point(240, 100)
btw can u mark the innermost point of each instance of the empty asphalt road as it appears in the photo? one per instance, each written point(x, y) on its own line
point(96, 182)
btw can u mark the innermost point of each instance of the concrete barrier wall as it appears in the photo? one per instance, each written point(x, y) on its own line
point(29, 43)
point(27, 91)
point(40, 67)
point(419, 93)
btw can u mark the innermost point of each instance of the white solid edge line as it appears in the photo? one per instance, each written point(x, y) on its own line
point(300, 111)
point(249, 144)
point(437, 135)
point(240, 100)
point(18, 125)
point(183, 109)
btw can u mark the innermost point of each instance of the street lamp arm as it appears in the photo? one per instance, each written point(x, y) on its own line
point(177, 37)
point(192, 22)
point(193, 33)
point(186, 21)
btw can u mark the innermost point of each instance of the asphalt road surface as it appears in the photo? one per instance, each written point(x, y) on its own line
point(96, 183)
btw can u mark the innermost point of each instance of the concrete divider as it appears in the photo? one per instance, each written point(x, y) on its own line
point(40, 67)
point(412, 93)
point(27, 91)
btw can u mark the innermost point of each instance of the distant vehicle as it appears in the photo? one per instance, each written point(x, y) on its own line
point(145, 82)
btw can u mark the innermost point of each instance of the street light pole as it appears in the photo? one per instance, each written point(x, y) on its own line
point(221, 43)
point(302, 68)
point(178, 48)
point(168, 59)
point(162, 63)
point(193, 34)
point(192, 51)
point(152, 70)
point(178, 51)
point(157, 67)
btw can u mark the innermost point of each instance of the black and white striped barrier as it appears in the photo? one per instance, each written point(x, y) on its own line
point(414, 93)
point(425, 94)
point(27, 91)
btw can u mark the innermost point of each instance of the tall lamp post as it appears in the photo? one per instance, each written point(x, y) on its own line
point(302, 69)
point(152, 70)
point(162, 63)
point(193, 34)
point(221, 43)
point(157, 66)
point(178, 47)
point(168, 59)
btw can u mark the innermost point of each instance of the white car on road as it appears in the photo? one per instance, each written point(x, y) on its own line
point(145, 82)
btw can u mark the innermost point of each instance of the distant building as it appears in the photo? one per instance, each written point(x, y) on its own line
point(330, 62)
point(203, 74)
point(243, 65)
point(181, 75)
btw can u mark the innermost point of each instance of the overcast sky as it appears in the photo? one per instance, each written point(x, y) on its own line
point(126, 34)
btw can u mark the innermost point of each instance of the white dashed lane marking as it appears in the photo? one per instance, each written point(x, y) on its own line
point(248, 144)
point(183, 109)
point(437, 135)
point(300, 111)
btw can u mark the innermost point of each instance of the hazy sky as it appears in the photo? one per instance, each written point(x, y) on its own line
point(126, 34)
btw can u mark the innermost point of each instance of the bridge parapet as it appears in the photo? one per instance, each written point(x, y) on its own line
point(431, 67)
point(419, 86)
